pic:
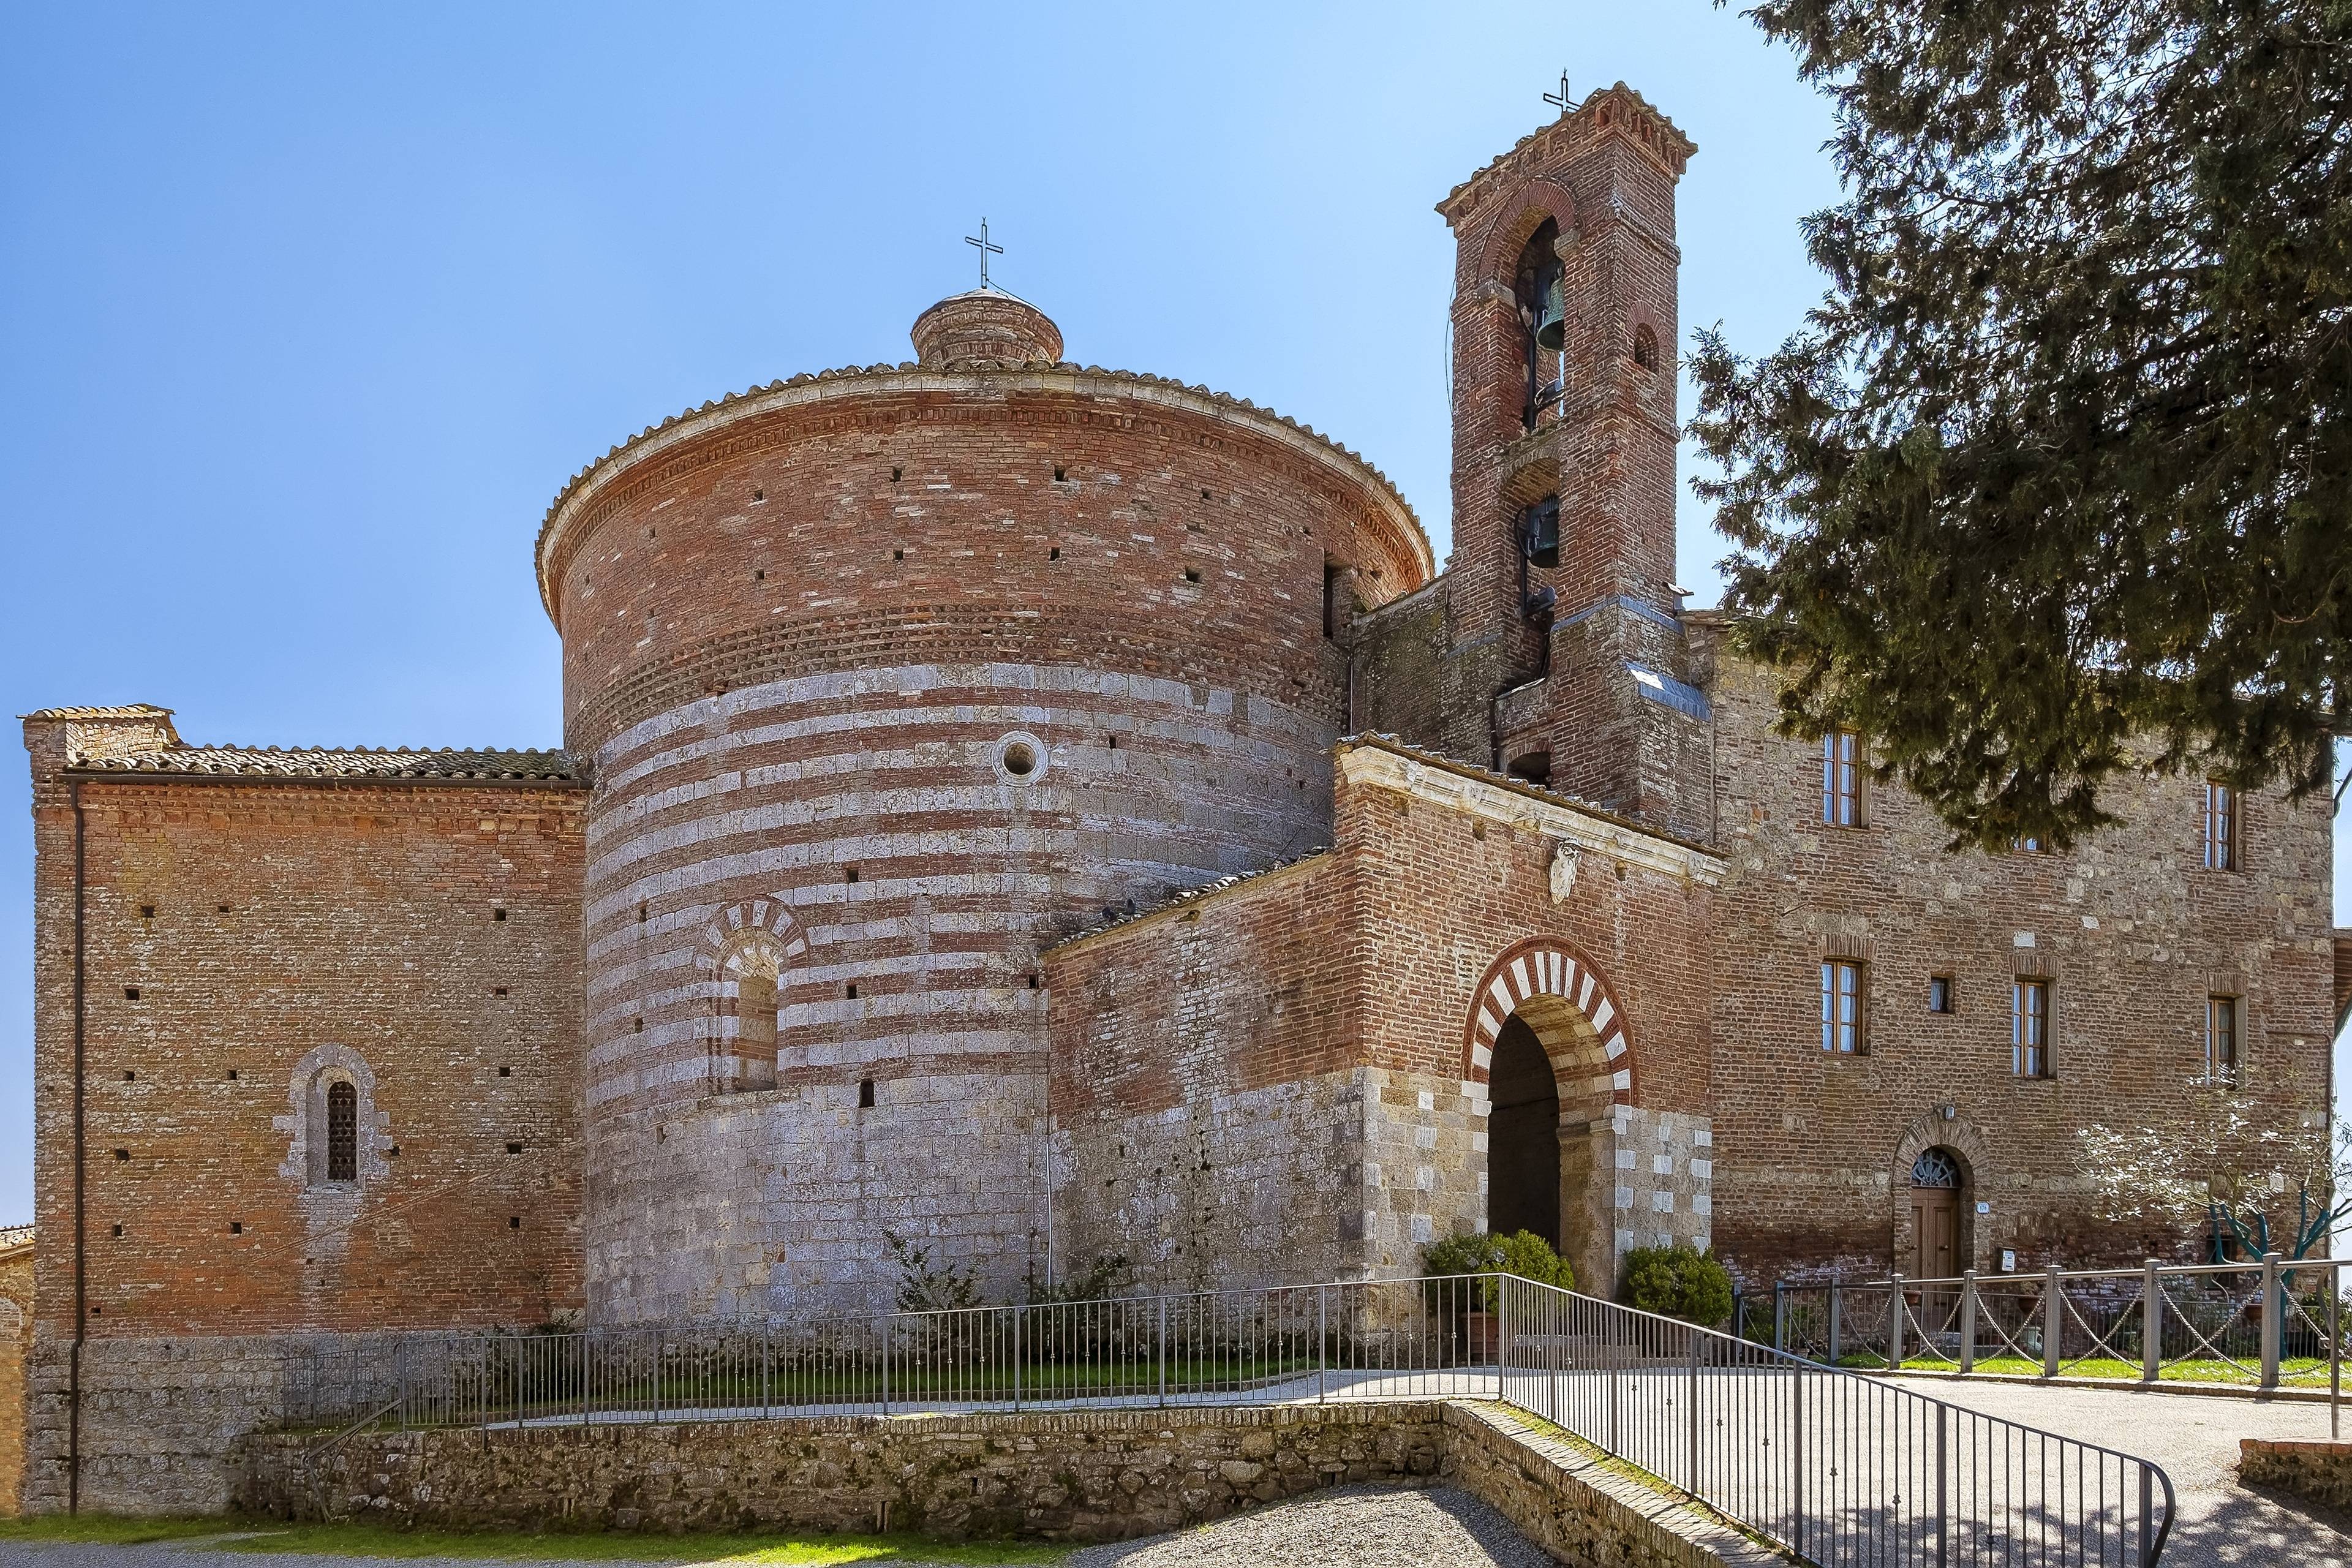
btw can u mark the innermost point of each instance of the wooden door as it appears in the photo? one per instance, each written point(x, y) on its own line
point(1936, 1221)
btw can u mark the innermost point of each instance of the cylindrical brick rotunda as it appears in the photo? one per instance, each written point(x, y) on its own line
point(889, 678)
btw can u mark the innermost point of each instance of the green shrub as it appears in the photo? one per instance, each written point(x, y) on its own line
point(1679, 1281)
point(1525, 1254)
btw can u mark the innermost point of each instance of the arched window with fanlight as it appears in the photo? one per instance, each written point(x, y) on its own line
point(1645, 347)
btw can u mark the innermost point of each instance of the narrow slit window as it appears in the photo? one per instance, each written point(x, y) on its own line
point(1842, 997)
point(1939, 993)
point(342, 1133)
point(2029, 1028)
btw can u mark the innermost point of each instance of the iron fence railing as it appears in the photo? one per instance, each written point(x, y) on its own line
point(1841, 1469)
point(2269, 1324)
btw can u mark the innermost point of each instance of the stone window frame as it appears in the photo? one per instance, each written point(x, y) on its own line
point(306, 1122)
point(762, 930)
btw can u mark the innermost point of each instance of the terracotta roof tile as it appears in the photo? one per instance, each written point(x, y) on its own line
point(334, 763)
point(128, 710)
point(852, 372)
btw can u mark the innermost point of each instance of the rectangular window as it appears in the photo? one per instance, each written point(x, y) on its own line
point(1841, 780)
point(2220, 827)
point(2221, 1039)
point(2029, 1028)
point(1842, 995)
point(1939, 993)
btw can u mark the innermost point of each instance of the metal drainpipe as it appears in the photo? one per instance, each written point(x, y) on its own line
point(81, 1252)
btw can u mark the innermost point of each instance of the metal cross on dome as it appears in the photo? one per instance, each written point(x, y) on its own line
point(986, 250)
point(1560, 100)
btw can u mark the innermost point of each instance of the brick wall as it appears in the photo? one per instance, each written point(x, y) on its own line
point(292, 924)
point(1276, 1080)
point(245, 941)
point(2133, 934)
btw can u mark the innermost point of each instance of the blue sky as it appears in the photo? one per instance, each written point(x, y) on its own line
point(306, 312)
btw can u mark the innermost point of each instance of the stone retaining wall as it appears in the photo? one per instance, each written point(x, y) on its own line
point(2317, 1472)
point(1072, 1476)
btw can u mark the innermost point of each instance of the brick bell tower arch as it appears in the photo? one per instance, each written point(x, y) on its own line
point(1547, 1040)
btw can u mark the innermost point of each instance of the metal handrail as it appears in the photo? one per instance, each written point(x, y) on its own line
point(1838, 1467)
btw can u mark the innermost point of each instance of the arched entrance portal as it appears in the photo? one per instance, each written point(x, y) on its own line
point(1522, 1137)
point(1546, 1038)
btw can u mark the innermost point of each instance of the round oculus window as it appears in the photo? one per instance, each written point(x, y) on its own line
point(1020, 758)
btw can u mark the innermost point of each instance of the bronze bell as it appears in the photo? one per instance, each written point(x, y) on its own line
point(1551, 324)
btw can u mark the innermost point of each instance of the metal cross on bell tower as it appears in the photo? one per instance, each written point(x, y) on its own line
point(1559, 99)
point(986, 250)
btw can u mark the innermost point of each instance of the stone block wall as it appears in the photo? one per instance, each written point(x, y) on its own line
point(2317, 1472)
point(1078, 1476)
point(15, 1351)
point(1085, 1476)
point(159, 1416)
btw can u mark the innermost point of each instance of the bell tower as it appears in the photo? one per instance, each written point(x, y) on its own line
point(1565, 660)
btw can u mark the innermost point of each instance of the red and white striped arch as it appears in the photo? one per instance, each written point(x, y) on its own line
point(1546, 970)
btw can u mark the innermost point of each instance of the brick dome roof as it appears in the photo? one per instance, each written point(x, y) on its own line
point(986, 329)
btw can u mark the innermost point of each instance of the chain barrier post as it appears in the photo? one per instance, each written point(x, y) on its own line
point(2271, 1316)
point(1968, 1323)
point(1835, 1290)
point(2151, 1322)
point(1780, 1316)
point(1895, 1310)
point(2054, 1318)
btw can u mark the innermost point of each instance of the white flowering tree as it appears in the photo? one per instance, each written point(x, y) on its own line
point(2269, 1190)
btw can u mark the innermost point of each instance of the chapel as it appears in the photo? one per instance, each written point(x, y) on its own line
point(1038, 815)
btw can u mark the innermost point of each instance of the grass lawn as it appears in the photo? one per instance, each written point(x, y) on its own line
point(376, 1540)
point(2293, 1373)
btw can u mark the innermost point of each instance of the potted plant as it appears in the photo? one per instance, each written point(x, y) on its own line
point(1472, 1302)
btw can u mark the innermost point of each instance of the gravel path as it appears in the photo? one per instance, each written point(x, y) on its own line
point(2218, 1523)
point(1365, 1526)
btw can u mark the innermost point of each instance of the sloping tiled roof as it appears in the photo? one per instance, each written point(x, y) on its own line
point(128, 710)
point(354, 762)
point(2343, 977)
point(1188, 895)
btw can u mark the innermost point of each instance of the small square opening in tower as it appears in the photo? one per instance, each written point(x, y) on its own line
point(866, 1092)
